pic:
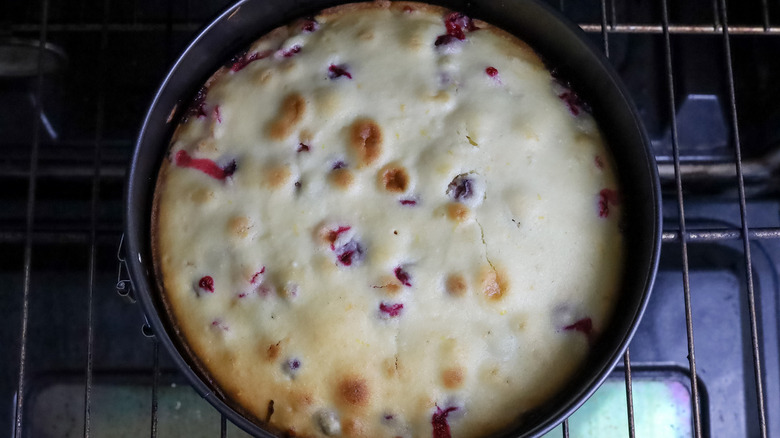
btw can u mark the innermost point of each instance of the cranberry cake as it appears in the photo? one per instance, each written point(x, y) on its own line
point(387, 220)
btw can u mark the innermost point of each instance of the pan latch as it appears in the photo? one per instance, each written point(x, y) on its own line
point(124, 287)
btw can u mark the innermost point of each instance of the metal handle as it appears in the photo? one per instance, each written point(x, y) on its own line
point(124, 286)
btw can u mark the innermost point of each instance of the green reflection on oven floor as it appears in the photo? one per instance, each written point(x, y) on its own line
point(661, 409)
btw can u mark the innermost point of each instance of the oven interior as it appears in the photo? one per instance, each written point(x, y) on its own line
point(76, 78)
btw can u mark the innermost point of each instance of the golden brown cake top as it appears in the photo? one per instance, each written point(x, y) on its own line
point(388, 220)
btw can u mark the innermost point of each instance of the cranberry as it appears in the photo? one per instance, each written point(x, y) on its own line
point(607, 197)
point(492, 72)
point(441, 429)
point(303, 148)
point(339, 165)
point(391, 310)
point(257, 275)
point(461, 187)
point(291, 366)
point(198, 105)
point(333, 235)
point(219, 324)
point(598, 161)
point(403, 276)
point(584, 326)
point(207, 283)
point(309, 25)
point(458, 24)
point(351, 252)
point(573, 101)
point(240, 61)
point(409, 202)
point(209, 167)
point(289, 53)
point(444, 40)
point(337, 71)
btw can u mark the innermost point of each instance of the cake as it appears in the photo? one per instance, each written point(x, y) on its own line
point(387, 220)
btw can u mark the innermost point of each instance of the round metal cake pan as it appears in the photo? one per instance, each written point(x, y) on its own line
point(560, 43)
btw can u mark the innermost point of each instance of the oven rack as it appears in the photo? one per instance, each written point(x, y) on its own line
point(96, 164)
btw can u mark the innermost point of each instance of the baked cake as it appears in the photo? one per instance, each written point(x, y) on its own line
point(387, 220)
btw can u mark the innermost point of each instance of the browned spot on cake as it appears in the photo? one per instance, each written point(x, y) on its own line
point(301, 400)
point(452, 377)
point(277, 176)
point(206, 145)
point(354, 390)
point(457, 211)
point(366, 35)
point(263, 76)
point(353, 427)
point(202, 195)
point(306, 136)
point(365, 140)
point(494, 283)
point(290, 113)
point(441, 96)
point(239, 226)
point(389, 366)
point(389, 285)
point(274, 350)
point(341, 178)
point(394, 178)
point(456, 285)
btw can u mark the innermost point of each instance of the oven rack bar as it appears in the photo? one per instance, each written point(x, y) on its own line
point(30, 215)
point(635, 28)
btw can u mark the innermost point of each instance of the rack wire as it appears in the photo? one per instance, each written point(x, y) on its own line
point(675, 171)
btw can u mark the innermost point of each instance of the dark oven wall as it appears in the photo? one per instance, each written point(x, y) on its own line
point(77, 76)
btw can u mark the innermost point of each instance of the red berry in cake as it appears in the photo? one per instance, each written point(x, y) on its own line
point(198, 106)
point(240, 61)
point(291, 367)
point(408, 202)
point(441, 429)
point(461, 188)
point(339, 165)
point(606, 198)
point(458, 24)
point(403, 276)
point(584, 326)
point(337, 71)
point(492, 72)
point(351, 252)
point(333, 235)
point(207, 283)
point(302, 148)
point(445, 40)
point(573, 101)
point(217, 323)
point(257, 276)
point(390, 310)
point(309, 25)
point(209, 167)
point(292, 51)
point(598, 161)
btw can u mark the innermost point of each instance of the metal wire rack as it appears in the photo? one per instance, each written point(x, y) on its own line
point(98, 164)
